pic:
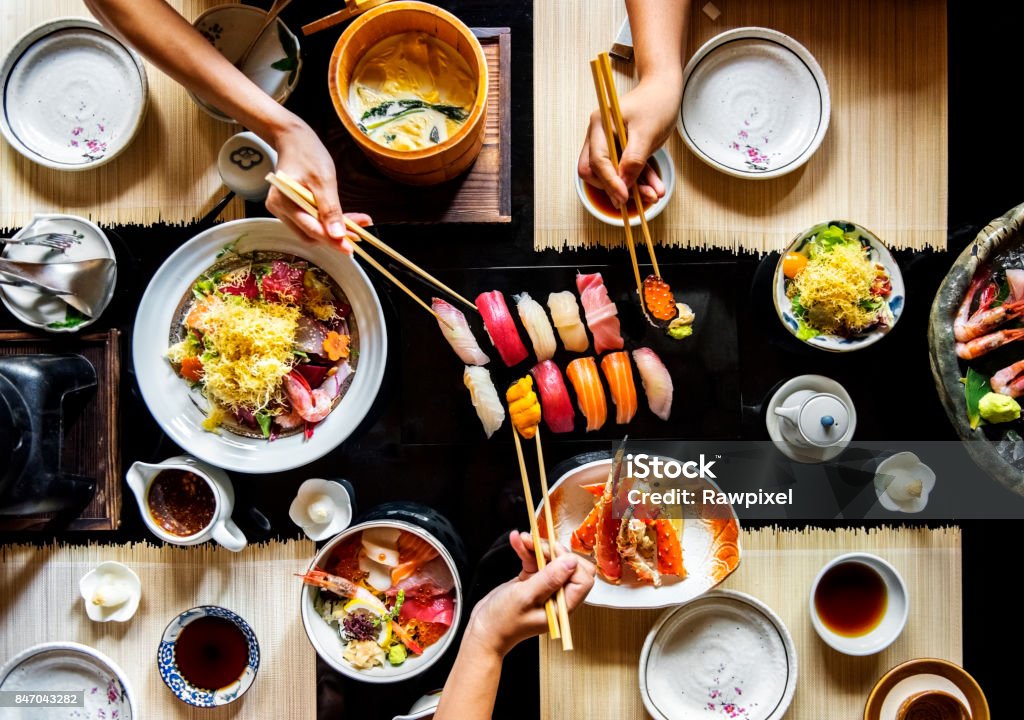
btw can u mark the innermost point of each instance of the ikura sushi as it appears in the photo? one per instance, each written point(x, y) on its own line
point(523, 407)
point(565, 313)
point(458, 334)
point(535, 320)
point(500, 327)
point(618, 371)
point(656, 381)
point(484, 397)
point(554, 397)
point(601, 313)
point(586, 382)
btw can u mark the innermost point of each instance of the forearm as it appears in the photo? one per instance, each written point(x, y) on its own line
point(472, 684)
point(170, 43)
point(659, 37)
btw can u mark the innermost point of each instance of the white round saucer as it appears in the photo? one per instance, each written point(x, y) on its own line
point(816, 383)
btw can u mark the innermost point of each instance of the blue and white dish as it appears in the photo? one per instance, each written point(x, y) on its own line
point(877, 253)
point(182, 688)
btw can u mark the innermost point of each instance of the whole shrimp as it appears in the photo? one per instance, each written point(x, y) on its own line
point(985, 320)
point(342, 587)
point(977, 347)
point(963, 315)
point(1009, 381)
point(314, 405)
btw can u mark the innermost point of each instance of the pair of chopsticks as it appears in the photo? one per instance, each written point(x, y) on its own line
point(351, 9)
point(303, 197)
point(558, 626)
point(608, 103)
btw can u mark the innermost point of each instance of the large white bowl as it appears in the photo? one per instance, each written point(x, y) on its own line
point(325, 639)
point(704, 570)
point(168, 396)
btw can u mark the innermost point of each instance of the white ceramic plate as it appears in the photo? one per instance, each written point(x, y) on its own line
point(879, 253)
point(326, 641)
point(168, 396)
point(230, 28)
point(47, 312)
point(57, 667)
point(708, 557)
point(755, 103)
point(73, 95)
point(725, 654)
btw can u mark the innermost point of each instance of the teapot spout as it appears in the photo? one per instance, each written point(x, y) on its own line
point(138, 477)
point(789, 413)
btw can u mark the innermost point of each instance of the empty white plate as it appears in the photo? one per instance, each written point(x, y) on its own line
point(725, 654)
point(73, 95)
point(755, 103)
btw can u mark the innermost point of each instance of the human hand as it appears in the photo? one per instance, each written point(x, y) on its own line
point(514, 611)
point(302, 156)
point(649, 113)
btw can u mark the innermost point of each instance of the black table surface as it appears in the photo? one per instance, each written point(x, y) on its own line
point(421, 441)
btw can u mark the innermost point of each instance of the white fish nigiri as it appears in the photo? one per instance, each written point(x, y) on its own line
point(489, 407)
point(565, 313)
point(537, 325)
point(656, 380)
point(459, 336)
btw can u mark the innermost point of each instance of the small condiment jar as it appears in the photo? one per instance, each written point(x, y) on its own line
point(221, 528)
point(814, 419)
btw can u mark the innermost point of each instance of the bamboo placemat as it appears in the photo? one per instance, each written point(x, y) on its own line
point(39, 602)
point(168, 173)
point(883, 162)
point(599, 679)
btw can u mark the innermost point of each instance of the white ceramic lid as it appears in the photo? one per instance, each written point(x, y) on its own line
point(73, 95)
point(824, 419)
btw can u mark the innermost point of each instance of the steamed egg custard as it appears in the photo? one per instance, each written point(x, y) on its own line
point(411, 91)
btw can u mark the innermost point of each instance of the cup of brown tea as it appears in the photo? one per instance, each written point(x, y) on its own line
point(858, 604)
point(208, 656)
point(184, 501)
point(932, 705)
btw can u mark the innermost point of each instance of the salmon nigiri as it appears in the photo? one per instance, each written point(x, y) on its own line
point(586, 382)
point(413, 553)
point(618, 370)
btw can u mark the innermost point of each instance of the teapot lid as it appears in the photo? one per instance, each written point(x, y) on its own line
point(824, 419)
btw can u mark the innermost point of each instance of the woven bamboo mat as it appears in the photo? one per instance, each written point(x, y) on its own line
point(168, 173)
point(883, 162)
point(39, 602)
point(599, 678)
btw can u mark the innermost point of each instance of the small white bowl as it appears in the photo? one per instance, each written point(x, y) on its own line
point(894, 472)
point(668, 176)
point(230, 29)
point(122, 612)
point(322, 508)
point(243, 163)
point(896, 610)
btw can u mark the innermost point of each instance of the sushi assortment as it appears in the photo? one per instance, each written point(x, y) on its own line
point(544, 392)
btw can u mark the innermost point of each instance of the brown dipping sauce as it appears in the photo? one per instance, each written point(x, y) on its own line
point(851, 599)
point(211, 653)
point(932, 705)
point(181, 502)
point(604, 204)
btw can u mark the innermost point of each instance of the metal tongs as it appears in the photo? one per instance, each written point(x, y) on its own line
point(83, 284)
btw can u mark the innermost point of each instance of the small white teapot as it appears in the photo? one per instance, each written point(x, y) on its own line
point(815, 419)
point(220, 528)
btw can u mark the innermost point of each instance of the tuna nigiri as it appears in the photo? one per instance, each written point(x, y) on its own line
point(554, 397)
point(485, 398)
point(618, 371)
point(523, 407)
point(602, 315)
point(458, 334)
point(500, 327)
point(535, 320)
point(586, 382)
point(565, 313)
point(656, 381)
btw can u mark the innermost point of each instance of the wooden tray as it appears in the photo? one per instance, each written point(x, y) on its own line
point(483, 195)
point(91, 446)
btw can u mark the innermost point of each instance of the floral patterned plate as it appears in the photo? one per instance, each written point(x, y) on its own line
point(755, 103)
point(723, 655)
point(73, 95)
point(61, 667)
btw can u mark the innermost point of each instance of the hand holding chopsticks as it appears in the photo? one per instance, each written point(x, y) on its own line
point(301, 196)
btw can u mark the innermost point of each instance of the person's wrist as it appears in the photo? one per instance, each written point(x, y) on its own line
point(480, 636)
point(283, 125)
point(665, 82)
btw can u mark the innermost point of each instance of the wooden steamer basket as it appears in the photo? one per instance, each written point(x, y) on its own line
point(446, 160)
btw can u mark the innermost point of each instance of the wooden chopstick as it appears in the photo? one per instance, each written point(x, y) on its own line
point(301, 196)
point(549, 524)
point(352, 8)
point(549, 606)
point(362, 232)
point(620, 126)
point(613, 153)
